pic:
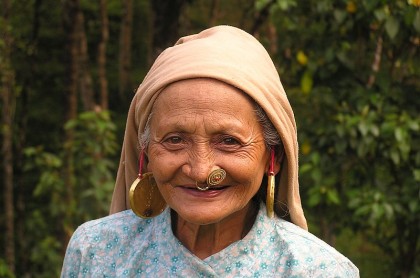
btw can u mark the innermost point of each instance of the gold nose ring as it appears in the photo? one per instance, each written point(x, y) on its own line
point(201, 188)
point(216, 177)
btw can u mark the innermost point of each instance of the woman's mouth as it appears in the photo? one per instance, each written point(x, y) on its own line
point(208, 189)
point(217, 187)
point(209, 193)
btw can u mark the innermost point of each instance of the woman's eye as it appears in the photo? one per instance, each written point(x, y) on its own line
point(230, 141)
point(174, 140)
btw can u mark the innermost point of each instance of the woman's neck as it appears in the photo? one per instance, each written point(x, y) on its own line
point(206, 240)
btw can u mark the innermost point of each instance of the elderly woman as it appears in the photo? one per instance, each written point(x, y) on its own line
point(208, 131)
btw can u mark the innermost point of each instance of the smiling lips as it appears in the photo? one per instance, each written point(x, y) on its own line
point(211, 188)
point(212, 192)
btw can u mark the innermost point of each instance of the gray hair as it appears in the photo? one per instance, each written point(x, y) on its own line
point(144, 139)
point(271, 136)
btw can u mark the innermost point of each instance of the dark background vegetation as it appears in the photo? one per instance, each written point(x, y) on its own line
point(69, 69)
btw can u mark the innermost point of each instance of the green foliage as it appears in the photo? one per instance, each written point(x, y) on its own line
point(356, 99)
point(4, 270)
point(369, 258)
point(93, 147)
point(93, 151)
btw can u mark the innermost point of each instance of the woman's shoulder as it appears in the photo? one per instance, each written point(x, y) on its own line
point(122, 225)
point(293, 251)
point(299, 238)
point(98, 246)
point(110, 222)
point(305, 249)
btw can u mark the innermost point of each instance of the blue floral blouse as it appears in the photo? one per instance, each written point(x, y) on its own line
point(124, 245)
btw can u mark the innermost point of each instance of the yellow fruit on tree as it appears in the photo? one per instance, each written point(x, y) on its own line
point(351, 7)
point(302, 58)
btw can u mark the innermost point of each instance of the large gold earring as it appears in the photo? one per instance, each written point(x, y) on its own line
point(270, 195)
point(145, 198)
point(271, 183)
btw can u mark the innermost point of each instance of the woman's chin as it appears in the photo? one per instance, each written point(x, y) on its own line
point(205, 214)
point(200, 217)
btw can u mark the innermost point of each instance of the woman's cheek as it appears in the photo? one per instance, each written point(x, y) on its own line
point(165, 167)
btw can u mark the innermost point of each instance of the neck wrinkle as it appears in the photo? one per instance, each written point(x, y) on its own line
point(206, 240)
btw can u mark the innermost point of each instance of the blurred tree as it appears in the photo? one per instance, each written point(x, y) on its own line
point(166, 15)
point(94, 142)
point(40, 57)
point(356, 98)
point(103, 81)
point(7, 89)
point(124, 60)
point(73, 23)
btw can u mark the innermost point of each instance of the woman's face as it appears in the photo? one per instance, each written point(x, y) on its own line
point(197, 126)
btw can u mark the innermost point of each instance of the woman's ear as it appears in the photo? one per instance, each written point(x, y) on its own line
point(278, 160)
point(275, 160)
point(146, 163)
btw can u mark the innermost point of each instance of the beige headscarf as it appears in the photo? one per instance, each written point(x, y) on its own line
point(235, 57)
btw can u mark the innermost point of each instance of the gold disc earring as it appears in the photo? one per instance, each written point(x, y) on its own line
point(145, 198)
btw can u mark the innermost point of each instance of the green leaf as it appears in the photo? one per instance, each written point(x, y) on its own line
point(340, 131)
point(404, 148)
point(314, 199)
point(363, 210)
point(395, 156)
point(285, 4)
point(316, 175)
point(332, 197)
point(306, 82)
point(414, 125)
point(363, 128)
point(413, 205)
point(380, 14)
point(392, 26)
point(374, 129)
point(361, 149)
point(377, 211)
point(416, 21)
point(389, 211)
point(399, 134)
point(4, 270)
point(416, 174)
point(315, 158)
point(339, 15)
point(305, 168)
point(261, 4)
point(370, 4)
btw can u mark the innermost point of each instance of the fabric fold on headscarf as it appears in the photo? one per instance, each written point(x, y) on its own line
point(235, 57)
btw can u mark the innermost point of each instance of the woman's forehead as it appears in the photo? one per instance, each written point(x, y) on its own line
point(193, 92)
point(205, 100)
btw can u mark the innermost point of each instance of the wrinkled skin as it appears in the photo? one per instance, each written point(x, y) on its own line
point(199, 125)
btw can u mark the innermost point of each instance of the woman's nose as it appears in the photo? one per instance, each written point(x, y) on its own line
point(199, 166)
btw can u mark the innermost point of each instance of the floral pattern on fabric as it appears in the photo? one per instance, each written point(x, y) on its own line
point(124, 245)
